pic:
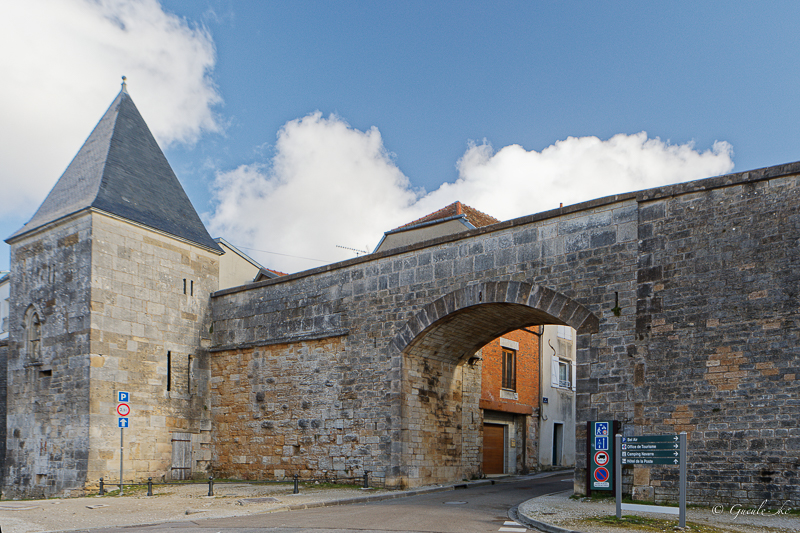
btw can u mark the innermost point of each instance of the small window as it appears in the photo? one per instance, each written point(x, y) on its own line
point(509, 369)
point(169, 371)
point(184, 285)
point(565, 332)
point(191, 288)
point(563, 374)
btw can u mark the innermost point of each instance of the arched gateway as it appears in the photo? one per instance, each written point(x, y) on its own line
point(441, 418)
point(684, 297)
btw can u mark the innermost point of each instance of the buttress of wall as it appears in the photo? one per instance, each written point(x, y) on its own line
point(300, 409)
point(149, 326)
point(48, 400)
point(438, 396)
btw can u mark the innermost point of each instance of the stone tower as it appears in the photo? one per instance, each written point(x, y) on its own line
point(110, 292)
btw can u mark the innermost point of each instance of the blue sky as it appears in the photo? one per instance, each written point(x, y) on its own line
point(479, 96)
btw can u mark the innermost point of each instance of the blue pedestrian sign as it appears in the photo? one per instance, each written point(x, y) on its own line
point(123, 397)
point(600, 429)
point(601, 443)
point(123, 422)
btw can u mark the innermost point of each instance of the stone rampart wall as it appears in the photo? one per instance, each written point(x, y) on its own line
point(685, 298)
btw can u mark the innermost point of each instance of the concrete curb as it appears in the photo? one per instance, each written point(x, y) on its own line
point(382, 497)
point(525, 520)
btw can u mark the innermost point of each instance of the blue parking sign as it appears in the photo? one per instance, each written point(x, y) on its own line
point(123, 422)
point(123, 396)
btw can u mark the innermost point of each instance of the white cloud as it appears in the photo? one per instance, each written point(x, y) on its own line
point(61, 65)
point(329, 184)
point(514, 182)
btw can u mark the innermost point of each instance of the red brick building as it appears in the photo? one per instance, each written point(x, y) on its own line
point(510, 402)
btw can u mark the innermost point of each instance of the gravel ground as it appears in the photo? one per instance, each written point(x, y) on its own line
point(168, 503)
point(572, 514)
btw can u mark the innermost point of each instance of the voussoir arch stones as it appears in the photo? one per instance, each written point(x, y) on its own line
point(469, 317)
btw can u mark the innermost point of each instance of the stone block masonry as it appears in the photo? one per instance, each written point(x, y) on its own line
point(303, 408)
point(684, 299)
point(149, 319)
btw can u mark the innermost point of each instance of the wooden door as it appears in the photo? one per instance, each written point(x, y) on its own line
point(181, 456)
point(494, 448)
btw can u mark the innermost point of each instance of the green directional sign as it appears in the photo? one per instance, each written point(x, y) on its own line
point(651, 461)
point(650, 439)
point(650, 450)
point(651, 453)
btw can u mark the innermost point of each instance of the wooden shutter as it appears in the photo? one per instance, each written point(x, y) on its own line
point(554, 371)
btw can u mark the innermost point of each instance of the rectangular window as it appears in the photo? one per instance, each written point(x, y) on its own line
point(509, 369)
point(191, 287)
point(169, 371)
point(184, 285)
point(563, 374)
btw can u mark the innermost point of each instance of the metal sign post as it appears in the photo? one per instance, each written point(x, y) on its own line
point(123, 410)
point(121, 448)
point(652, 450)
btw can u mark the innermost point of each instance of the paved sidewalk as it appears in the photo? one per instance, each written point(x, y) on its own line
point(176, 503)
point(559, 513)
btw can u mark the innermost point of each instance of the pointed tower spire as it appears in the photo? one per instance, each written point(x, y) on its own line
point(120, 170)
point(124, 85)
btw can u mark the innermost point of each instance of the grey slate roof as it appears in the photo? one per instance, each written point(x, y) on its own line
point(120, 169)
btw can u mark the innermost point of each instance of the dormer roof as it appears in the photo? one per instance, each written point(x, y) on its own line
point(121, 170)
point(477, 218)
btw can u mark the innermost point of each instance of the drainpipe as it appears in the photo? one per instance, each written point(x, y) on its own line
point(539, 388)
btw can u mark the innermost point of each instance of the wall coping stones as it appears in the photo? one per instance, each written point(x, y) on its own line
point(281, 340)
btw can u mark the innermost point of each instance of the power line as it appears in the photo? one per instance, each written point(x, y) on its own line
point(284, 255)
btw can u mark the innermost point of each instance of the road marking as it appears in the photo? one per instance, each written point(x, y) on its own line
point(518, 529)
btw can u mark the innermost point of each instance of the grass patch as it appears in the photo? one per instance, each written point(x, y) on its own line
point(651, 524)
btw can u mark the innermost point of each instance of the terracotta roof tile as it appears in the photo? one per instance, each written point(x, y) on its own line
point(475, 217)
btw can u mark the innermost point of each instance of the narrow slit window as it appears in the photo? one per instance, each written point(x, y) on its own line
point(169, 371)
point(191, 288)
point(189, 376)
point(184, 285)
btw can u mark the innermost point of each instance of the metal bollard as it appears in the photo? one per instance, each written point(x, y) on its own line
point(296, 487)
point(149, 486)
point(102, 491)
point(366, 479)
point(210, 486)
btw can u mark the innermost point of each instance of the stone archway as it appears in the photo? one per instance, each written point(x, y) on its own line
point(440, 385)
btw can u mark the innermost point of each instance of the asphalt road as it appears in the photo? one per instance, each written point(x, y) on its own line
point(482, 509)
